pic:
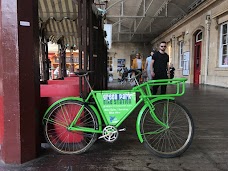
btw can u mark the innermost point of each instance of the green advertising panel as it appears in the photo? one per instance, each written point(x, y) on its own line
point(115, 105)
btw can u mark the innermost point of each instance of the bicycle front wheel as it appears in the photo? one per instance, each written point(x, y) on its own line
point(57, 121)
point(172, 141)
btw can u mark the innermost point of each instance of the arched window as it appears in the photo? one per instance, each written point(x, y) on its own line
point(181, 54)
point(199, 36)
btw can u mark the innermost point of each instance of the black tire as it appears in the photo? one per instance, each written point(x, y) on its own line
point(175, 140)
point(59, 118)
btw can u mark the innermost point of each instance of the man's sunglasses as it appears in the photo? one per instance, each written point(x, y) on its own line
point(163, 46)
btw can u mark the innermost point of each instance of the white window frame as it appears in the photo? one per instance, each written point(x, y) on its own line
point(197, 36)
point(221, 45)
point(181, 54)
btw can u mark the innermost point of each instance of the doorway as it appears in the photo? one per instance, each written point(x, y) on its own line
point(197, 56)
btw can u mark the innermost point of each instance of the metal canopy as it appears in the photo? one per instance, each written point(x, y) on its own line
point(143, 20)
point(132, 20)
point(59, 18)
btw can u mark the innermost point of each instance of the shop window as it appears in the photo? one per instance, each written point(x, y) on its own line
point(223, 60)
point(76, 60)
point(181, 54)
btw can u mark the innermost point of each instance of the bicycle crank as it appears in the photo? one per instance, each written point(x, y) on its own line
point(110, 133)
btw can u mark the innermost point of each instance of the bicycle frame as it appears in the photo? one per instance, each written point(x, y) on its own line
point(109, 118)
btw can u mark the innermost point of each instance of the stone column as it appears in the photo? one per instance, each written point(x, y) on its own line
point(71, 60)
point(19, 80)
point(208, 27)
point(64, 62)
point(173, 48)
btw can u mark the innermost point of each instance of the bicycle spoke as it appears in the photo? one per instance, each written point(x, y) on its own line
point(178, 136)
point(57, 123)
point(172, 141)
point(176, 115)
point(63, 114)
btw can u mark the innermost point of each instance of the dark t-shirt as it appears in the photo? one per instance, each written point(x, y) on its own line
point(160, 63)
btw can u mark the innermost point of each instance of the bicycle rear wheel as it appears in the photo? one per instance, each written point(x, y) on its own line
point(57, 121)
point(176, 139)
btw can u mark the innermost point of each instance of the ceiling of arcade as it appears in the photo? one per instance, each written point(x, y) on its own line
point(132, 20)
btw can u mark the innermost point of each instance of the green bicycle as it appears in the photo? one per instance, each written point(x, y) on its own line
point(165, 126)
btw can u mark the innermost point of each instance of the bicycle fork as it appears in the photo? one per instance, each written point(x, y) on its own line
point(163, 123)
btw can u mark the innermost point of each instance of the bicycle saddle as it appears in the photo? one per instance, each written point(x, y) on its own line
point(82, 73)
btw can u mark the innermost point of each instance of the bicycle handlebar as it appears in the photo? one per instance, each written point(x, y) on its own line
point(135, 71)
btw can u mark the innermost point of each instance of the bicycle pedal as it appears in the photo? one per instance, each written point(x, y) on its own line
point(122, 130)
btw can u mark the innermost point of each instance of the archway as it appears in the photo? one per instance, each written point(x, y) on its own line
point(198, 37)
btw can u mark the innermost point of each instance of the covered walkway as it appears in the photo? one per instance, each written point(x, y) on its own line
point(196, 32)
point(207, 104)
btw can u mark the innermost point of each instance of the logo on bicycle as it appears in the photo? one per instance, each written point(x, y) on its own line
point(116, 104)
point(113, 119)
point(117, 99)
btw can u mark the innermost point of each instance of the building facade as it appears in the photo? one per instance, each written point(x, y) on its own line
point(197, 44)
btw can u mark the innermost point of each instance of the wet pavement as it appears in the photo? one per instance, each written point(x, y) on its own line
point(208, 152)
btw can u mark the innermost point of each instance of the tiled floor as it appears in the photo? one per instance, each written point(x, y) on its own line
point(208, 152)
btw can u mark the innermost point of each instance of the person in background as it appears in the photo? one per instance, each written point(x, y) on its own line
point(148, 64)
point(171, 69)
point(56, 73)
point(68, 72)
point(138, 64)
point(160, 67)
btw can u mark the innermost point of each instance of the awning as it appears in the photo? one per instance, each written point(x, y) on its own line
point(60, 18)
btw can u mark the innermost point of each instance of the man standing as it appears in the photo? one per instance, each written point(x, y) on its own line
point(160, 67)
